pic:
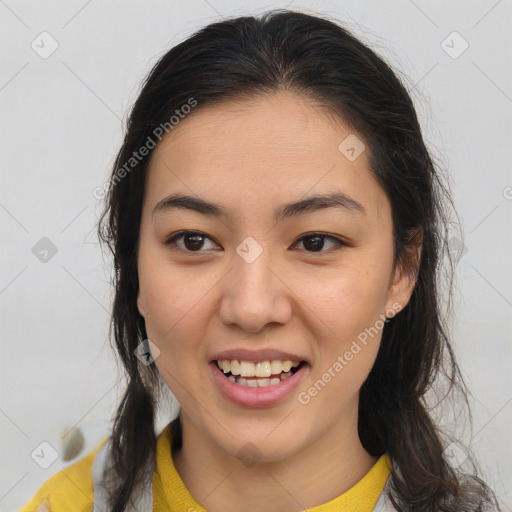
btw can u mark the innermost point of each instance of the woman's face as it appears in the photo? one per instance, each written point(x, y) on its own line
point(255, 285)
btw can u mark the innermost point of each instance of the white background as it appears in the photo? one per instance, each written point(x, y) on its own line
point(61, 128)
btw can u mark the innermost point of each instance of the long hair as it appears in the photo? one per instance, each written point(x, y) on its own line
point(322, 61)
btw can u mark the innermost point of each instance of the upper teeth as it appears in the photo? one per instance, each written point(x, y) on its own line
point(261, 369)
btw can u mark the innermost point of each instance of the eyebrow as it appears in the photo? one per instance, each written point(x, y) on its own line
point(308, 205)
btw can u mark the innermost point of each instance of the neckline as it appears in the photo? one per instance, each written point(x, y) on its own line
point(365, 492)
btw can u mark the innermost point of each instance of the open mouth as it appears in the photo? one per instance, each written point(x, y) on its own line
point(260, 374)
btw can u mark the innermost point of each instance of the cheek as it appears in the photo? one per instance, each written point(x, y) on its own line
point(171, 296)
point(336, 386)
point(174, 318)
point(348, 330)
point(344, 308)
point(348, 300)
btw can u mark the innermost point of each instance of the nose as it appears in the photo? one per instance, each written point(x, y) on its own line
point(255, 295)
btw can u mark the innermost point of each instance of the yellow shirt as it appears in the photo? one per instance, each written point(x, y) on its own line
point(72, 488)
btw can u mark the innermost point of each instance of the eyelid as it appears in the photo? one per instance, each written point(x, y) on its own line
point(340, 242)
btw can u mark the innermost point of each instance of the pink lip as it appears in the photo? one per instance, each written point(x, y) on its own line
point(256, 397)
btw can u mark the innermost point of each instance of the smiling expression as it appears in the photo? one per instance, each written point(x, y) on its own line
point(258, 279)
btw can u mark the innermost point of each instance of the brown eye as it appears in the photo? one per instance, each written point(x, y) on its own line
point(194, 242)
point(314, 242)
point(191, 241)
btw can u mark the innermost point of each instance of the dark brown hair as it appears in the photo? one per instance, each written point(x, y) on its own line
point(323, 62)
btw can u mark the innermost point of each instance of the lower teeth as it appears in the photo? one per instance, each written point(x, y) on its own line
point(260, 382)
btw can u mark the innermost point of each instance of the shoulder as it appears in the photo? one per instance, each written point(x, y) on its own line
point(69, 489)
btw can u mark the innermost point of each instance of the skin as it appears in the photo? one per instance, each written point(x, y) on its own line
point(252, 156)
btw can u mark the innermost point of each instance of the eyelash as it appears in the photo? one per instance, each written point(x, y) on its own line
point(340, 243)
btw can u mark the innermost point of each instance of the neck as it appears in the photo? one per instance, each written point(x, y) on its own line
point(317, 474)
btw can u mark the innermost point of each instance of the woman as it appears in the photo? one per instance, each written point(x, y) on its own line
point(277, 226)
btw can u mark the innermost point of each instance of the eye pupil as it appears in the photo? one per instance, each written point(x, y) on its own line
point(197, 243)
point(317, 243)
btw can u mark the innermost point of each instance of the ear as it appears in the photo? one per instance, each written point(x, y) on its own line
point(405, 274)
point(140, 304)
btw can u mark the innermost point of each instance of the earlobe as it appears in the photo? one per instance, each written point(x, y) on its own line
point(401, 288)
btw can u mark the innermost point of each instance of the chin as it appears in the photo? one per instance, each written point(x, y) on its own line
point(264, 444)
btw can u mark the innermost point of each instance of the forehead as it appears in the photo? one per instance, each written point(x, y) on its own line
point(280, 125)
point(270, 149)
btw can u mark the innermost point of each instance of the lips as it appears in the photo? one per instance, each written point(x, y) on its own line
point(257, 379)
